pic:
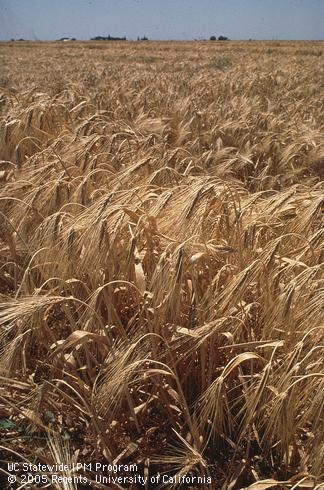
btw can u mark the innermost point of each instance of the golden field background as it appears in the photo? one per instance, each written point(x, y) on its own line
point(161, 258)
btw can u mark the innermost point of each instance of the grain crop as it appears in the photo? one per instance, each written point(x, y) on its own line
point(161, 259)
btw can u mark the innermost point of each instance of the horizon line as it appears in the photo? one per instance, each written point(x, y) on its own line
point(73, 39)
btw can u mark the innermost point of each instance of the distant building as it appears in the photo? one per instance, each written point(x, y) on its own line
point(65, 39)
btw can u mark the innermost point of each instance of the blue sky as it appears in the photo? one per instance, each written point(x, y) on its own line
point(162, 19)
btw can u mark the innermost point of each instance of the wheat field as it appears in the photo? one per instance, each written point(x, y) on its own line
point(161, 261)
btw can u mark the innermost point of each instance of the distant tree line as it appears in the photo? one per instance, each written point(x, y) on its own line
point(220, 38)
point(112, 38)
point(108, 38)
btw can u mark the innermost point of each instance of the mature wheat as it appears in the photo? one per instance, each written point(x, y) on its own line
point(161, 259)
